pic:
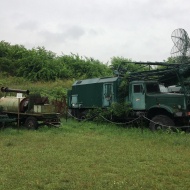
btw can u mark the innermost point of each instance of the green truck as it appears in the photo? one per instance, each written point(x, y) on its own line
point(143, 92)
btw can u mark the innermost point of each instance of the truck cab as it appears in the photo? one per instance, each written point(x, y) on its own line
point(138, 91)
point(161, 107)
point(137, 95)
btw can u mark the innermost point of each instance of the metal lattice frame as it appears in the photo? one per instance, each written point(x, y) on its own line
point(181, 42)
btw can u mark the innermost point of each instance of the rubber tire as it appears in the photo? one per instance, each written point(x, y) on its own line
point(31, 123)
point(80, 115)
point(163, 120)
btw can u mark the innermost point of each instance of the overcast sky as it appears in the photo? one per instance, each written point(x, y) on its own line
point(136, 29)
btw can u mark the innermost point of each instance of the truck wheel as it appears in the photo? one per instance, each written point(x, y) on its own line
point(160, 122)
point(31, 123)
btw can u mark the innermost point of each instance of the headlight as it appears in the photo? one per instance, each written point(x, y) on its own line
point(179, 106)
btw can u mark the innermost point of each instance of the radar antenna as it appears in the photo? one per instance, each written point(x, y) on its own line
point(181, 48)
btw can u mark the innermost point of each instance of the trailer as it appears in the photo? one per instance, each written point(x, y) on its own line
point(31, 110)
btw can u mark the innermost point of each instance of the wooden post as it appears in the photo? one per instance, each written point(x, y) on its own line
point(19, 96)
point(18, 113)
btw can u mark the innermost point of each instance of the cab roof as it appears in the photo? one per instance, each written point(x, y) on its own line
point(95, 80)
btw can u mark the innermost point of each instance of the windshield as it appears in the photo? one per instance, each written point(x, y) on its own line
point(152, 88)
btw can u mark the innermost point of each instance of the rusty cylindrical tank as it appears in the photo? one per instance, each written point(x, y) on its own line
point(10, 104)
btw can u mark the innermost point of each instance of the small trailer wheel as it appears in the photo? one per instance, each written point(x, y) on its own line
point(31, 123)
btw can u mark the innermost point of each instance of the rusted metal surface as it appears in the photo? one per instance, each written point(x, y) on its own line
point(6, 89)
point(11, 104)
point(60, 105)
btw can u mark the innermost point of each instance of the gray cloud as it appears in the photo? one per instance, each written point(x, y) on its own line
point(65, 34)
point(28, 25)
point(138, 29)
point(74, 32)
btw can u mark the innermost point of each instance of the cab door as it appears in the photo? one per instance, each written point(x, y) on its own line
point(107, 94)
point(138, 97)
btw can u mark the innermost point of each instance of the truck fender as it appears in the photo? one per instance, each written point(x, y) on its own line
point(160, 109)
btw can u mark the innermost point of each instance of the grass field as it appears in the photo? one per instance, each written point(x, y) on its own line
point(84, 155)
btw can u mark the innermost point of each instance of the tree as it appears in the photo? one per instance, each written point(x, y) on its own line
point(10, 56)
point(79, 67)
point(124, 65)
point(39, 64)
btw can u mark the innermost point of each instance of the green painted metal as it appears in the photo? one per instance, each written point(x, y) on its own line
point(108, 95)
point(102, 92)
point(5, 118)
point(97, 92)
point(143, 92)
point(138, 96)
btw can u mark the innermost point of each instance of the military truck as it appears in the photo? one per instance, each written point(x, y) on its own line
point(143, 92)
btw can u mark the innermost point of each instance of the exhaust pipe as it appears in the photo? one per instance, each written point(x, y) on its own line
point(6, 89)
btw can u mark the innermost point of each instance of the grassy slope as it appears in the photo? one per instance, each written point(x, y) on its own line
point(89, 156)
point(50, 89)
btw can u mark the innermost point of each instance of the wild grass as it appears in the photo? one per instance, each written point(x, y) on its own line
point(52, 89)
point(23, 83)
point(84, 155)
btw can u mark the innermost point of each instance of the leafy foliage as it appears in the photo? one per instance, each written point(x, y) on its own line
point(124, 65)
point(39, 64)
point(116, 111)
point(117, 62)
point(75, 66)
point(10, 56)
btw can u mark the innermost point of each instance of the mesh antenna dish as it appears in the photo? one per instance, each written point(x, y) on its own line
point(181, 48)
